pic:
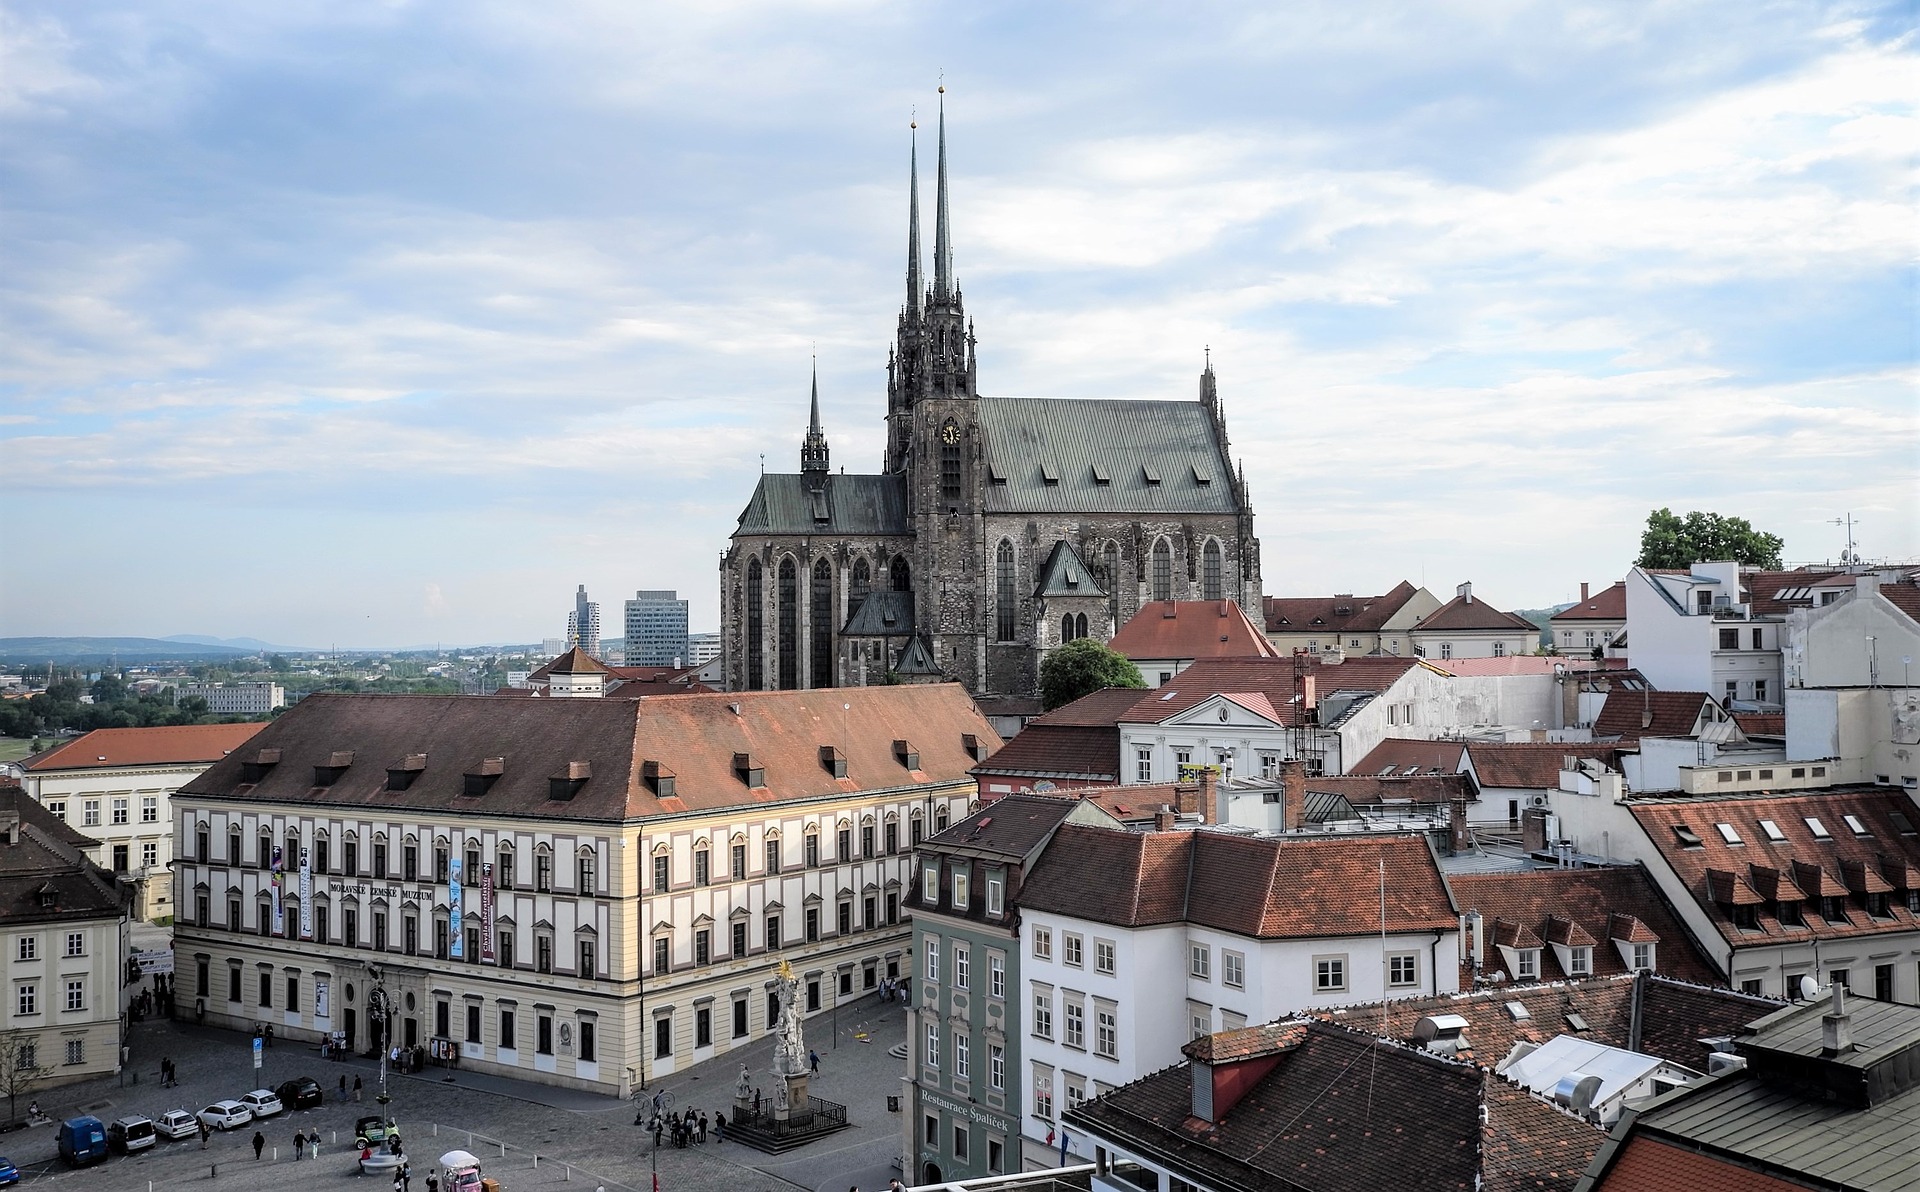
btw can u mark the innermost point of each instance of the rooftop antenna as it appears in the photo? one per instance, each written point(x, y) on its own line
point(1852, 556)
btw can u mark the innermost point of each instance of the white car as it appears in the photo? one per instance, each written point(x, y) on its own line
point(226, 1115)
point(261, 1102)
point(176, 1123)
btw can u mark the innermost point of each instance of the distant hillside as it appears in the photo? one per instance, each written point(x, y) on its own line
point(1543, 617)
point(73, 650)
point(252, 645)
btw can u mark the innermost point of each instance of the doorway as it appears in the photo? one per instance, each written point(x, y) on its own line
point(348, 1022)
point(930, 1174)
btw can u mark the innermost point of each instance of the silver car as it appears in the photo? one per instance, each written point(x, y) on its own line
point(226, 1115)
point(176, 1123)
point(261, 1102)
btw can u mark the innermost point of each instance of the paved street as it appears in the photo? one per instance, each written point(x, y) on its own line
point(580, 1141)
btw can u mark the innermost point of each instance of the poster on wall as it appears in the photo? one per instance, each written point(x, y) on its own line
point(278, 880)
point(306, 895)
point(322, 1000)
point(486, 912)
point(456, 945)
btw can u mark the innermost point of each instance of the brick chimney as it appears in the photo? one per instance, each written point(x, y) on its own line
point(1583, 593)
point(1165, 819)
point(1210, 797)
point(1293, 795)
point(1458, 840)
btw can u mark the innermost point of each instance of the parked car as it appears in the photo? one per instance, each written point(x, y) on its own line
point(302, 1092)
point(176, 1123)
point(226, 1115)
point(261, 1102)
point(82, 1140)
point(131, 1133)
point(373, 1131)
point(9, 1174)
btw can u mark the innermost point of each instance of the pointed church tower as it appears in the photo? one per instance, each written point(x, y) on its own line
point(949, 339)
point(813, 448)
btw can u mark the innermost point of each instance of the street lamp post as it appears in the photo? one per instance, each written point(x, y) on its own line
point(380, 1017)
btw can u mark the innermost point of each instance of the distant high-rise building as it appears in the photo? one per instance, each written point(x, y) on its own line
point(657, 629)
point(583, 623)
point(702, 648)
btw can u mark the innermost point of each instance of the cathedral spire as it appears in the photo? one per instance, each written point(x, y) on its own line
point(813, 449)
point(916, 288)
point(942, 241)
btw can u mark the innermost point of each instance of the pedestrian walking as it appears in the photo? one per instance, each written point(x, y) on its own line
point(205, 1132)
point(269, 1035)
point(406, 1177)
point(658, 1126)
point(703, 1129)
point(313, 1140)
point(343, 1086)
point(259, 1144)
point(813, 1062)
point(396, 1180)
point(756, 1103)
point(299, 1144)
point(433, 1182)
point(356, 1089)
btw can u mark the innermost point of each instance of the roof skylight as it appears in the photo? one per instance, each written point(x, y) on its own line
point(1818, 829)
point(1728, 834)
point(1773, 832)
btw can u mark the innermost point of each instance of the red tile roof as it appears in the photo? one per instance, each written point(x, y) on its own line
point(1273, 678)
point(574, 662)
point(1764, 588)
point(1463, 614)
point(1630, 715)
point(1808, 859)
point(1258, 886)
point(1607, 605)
point(697, 739)
point(1530, 765)
point(1101, 709)
point(1402, 754)
point(1058, 753)
point(1905, 597)
point(1335, 614)
point(1362, 789)
point(177, 746)
point(1647, 1164)
point(1191, 629)
point(1555, 904)
point(1762, 724)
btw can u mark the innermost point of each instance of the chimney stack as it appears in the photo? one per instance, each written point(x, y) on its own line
point(1164, 819)
point(1457, 839)
point(1293, 795)
point(1465, 592)
point(1211, 805)
point(1836, 1027)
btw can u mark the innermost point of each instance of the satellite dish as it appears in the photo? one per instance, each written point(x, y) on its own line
point(1809, 988)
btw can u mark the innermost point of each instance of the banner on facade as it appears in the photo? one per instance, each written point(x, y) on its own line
point(456, 946)
point(486, 912)
point(322, 1000)
point(306, 895)
point(278, 880)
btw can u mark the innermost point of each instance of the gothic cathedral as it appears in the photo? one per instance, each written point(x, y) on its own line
point(999, 527)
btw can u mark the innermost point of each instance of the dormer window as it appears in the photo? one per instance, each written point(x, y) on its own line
point(833, 761)
point(930, 885)
point(328, 772)
point(1642, 956)
point(1579, 962)
point(659, 779)
point(1526, 964)
point(567, 782)
point(479, 780)
point(907, 754)
point(749, 773)
point(402, 776)
point(1687, 836)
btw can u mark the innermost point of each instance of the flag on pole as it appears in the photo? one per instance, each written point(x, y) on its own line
point(1064, 1136)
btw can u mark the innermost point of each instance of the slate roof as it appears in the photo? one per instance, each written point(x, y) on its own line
point(1845, 860)
point(1630, 715)
point(694, 737)
point(1065, 573)
point(1587, 901)
point(782, 503)
point(883, 613)
point(1609, 604)
point(1262, 887)
point(1403, 755)
point(48, 856)
point(1647, 1013)
point(1340, 614)
point(1462, 615)
point(1028, 438)
point(1270, 677)
point(1009, 827)
point(1191, 629)
point(179, 745)
point(1343, 1112)
point(1530, 765)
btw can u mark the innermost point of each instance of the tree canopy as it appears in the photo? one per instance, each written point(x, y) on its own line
point(1082, 667)
point(1676, 542)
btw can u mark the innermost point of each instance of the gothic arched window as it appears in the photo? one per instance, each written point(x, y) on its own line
point(862, 580)
point(1210, 570)
point(1162, 570)
point(1080, 625)
point(900, 575)
point(949, 461)
point(1066, 627)
point(756, 628)
point(789, 616)
point(1003, 592)
point(820, 622)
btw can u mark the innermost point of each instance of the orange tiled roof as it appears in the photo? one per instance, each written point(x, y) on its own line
point(1191, 629)
point(1630, 715)
point(1461, 614)
point(1531, 765)
point(1271, 677)
point(1607, 605)
point(1590, 903)
point(179, 745)
point(1335, 614)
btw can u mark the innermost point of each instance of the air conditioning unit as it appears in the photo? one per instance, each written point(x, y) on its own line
point(1536, 800)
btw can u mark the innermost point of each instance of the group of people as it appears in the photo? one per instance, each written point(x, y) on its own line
point(158, 1000)
point(169, 1075)
point(306, 1145)
point(688, 1128)
point(407, 1059)
point(893, 989)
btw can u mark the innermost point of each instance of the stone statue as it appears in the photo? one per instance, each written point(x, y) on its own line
point(789, 1048)
point(743, 1087)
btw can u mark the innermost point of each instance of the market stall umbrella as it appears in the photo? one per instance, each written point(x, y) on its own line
point(459, 1159)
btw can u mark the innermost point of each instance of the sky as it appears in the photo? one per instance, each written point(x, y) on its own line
point(387, 324)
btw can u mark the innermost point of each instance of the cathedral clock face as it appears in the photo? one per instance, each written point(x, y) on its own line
point(949, 434)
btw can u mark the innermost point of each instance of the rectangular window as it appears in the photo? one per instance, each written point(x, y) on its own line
point(1233, 969)
point(930, 1130)
point(931, 1056)
point(702, 867)
point(866, 840)
point(663, 1037)
point(586, 873)
point(740, 939)
point(843, 845)
point(90, 815)
point(1103, 956)
point(773, 931)
point(473, 1022)
point(1579, 961)
point(503, 876)
point(410, 935)
point(892, 834)
point(1527, 964)
point(27, 998)
point(266, 990)
point(960, 1141)
point(662, 954)
point(1329, 974)
point(379, 859)
point(703, 1026)
point(503, 946)
point(293, 993)
point(813, 924)
point(810, 846)
point(962, 1055)
point(996, 977)
point(961, 893)
point(76, 1051)
point(587, 964)
point(1043, 1013)
point(1072, 949)
point(150, 810)
point(119, 811)
point(773, 856)
point(1106, 1037)
point(740, 1018)
point(1143, 764)
point(1403, 969)
point(29, 947)
point(76, 943)
point(738, 854)
point(1729, 639)
point(703, 946)
point(930, 885)
point(661, 873)
point(933, 958)
point(844, 918)
point(1074, 1018)
point(1043, 943)
point(410, 862)
point(1200, 962)
point(996, 1067)
point(589, 1044)
point(962, 966)
point(1759, 685)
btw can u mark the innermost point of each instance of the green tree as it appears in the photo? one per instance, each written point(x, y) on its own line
point(278, 664)
point(1671, 541)
point(1082, 667)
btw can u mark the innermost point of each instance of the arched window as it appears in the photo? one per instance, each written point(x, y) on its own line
point(1080, 625)
point(902, 576)
point(1003, 591)
point(950, 462)
point(788, 618)
point(1066, 627)
point(1162, 570)
point(820, 623)
point(756, 628)
point(1210, 570)
point(862, 580)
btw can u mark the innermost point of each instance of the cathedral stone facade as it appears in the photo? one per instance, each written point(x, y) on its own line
point(998, 527)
